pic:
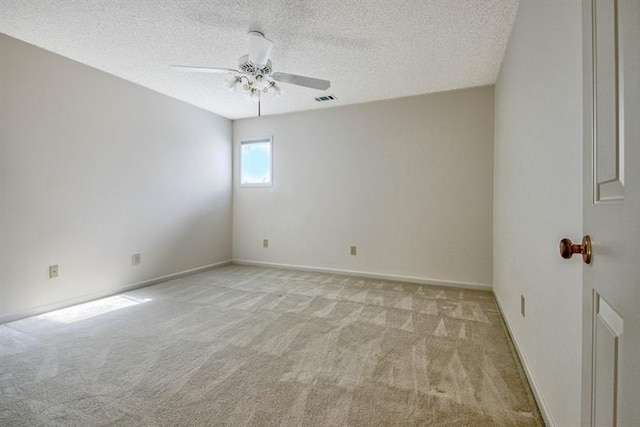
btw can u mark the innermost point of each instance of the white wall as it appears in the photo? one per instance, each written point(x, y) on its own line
point(94, 168)
point(409, 181)
point(538, 198)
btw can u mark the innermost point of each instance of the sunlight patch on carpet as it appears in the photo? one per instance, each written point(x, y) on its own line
point(91, 309)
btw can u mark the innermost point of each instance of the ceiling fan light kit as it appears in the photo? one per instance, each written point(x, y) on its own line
point(259, 84)
point(255, 74)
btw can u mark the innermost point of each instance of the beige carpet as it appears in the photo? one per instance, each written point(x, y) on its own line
point(265, 347)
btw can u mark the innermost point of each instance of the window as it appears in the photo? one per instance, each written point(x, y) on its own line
point(255, 162)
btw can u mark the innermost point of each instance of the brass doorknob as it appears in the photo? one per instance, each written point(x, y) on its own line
point(567, 249)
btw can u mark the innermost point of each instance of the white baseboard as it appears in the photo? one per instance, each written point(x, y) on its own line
point(394, 277)
point(537, 393)
point(89, 297)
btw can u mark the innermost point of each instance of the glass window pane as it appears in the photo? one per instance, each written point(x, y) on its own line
point(255, 162)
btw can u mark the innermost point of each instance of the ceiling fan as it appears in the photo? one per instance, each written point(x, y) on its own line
point(255, 72)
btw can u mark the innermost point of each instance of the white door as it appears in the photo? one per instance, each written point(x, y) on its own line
point(611, 283)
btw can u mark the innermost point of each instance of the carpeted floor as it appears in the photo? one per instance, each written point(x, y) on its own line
point(264, 347)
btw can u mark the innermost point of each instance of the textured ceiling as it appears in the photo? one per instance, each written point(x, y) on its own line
point(369, 49)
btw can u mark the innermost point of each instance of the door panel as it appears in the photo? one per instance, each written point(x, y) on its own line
point(611, 283)
point(608, 126)
point(608, 327)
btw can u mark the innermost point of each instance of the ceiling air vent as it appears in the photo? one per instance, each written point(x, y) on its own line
point(325, 98)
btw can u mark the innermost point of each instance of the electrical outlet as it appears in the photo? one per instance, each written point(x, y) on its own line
point(135, 259)
point(265, 243)
point(522, 305)
point(53, 271)
point(353, 250)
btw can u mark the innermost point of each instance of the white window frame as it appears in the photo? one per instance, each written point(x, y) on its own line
point(263, 139)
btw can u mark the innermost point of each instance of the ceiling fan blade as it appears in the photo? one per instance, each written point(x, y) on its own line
point(302, 81)
point(259, 48)
point(203, 69)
